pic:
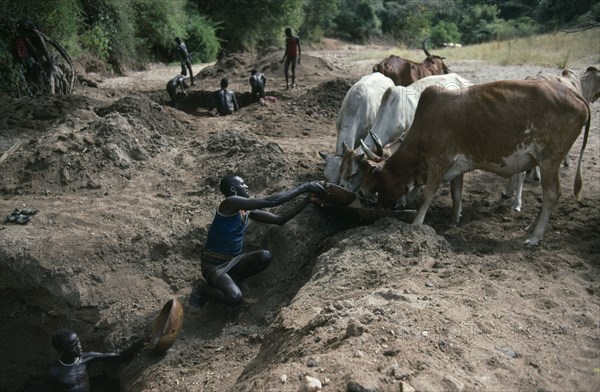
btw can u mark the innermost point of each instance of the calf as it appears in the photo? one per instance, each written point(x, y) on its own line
point(503, 127)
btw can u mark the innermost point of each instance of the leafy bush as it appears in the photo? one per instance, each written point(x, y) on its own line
point(11, 75)
point(477, 23)
point(444, 32)
point(157, 24)
point(202, 40)
point(115, 18)
point(318, 17)
point(59, 19)
point(358, 21)
point(97, 41)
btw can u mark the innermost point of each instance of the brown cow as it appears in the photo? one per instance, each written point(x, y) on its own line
point(502, 127)
point(405, 72)
point(588, 86)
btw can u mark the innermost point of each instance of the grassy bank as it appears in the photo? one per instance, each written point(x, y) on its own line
point(548, 50)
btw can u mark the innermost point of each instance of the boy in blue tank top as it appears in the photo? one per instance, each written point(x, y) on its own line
point(223, 262)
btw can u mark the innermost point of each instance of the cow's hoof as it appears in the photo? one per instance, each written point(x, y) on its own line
point(517, 208)
point(531, 243)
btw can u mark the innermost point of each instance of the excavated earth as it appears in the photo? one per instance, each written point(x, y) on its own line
point(126, 186)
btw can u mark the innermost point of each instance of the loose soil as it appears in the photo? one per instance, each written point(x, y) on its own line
point(126, 187)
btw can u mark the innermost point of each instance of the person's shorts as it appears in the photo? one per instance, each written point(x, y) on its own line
point(214, 265)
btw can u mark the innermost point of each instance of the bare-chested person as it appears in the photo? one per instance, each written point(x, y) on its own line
point(70, 372)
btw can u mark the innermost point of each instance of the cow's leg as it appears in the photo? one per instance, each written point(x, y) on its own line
point(510, 187)
point(518, 187)
point(535, 173)
point(515, 185)
point(412, 195)
point(456, 187)
point(434, 180)
point(551, 193)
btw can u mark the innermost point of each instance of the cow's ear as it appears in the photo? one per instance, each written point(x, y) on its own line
point(375, 164)
point(370, 163)
point(567, 72)
point(592, 69)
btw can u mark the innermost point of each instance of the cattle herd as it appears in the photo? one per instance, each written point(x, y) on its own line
point(408, 127)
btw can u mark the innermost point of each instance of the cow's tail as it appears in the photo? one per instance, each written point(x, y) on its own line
point(578, 182)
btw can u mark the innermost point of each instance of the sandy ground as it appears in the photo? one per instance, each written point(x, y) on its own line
point(126, 187)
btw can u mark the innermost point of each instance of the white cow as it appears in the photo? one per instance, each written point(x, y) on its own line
point(355, 118)
point(394, 118)
point(588, 86)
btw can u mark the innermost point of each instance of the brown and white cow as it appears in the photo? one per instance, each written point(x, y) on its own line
point(405, 72)
point(588, 86)
point(503, 127)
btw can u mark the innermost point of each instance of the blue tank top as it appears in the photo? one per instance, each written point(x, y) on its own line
point(226, 233)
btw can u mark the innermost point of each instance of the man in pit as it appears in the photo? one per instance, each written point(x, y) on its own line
point(70, 372)
point(223, 263)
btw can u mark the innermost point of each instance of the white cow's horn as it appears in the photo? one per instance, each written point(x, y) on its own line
point(370, 154)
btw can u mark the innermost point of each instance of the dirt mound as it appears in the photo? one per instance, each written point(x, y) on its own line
point(269, 62)
point(325, 98)
point(97, 156)
point(237, 150)
point(23, 119)
point(148, 112)
point(317, 334)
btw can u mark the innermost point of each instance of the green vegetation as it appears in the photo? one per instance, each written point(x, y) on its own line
point(128, 33)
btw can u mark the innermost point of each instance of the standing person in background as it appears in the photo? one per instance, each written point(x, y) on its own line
point(224, 100)
point(258, 81)
point(291, 56)
point(185, 59)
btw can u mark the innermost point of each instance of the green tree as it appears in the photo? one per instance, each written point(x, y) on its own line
point(116, 22)
point(157, 24)
point(477, 22)
point(319, 17)
point(553, 14)
point(252, 24)
point(409, 21)
point(201, 37)
point(60, 19)
point(358, 20)
point(444, 32)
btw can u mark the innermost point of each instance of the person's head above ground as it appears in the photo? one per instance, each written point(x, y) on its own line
point(66, 342)
point(224, 83)
point(177, 40)
point(253, 72)
point(288, 32)
point(233, 185)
